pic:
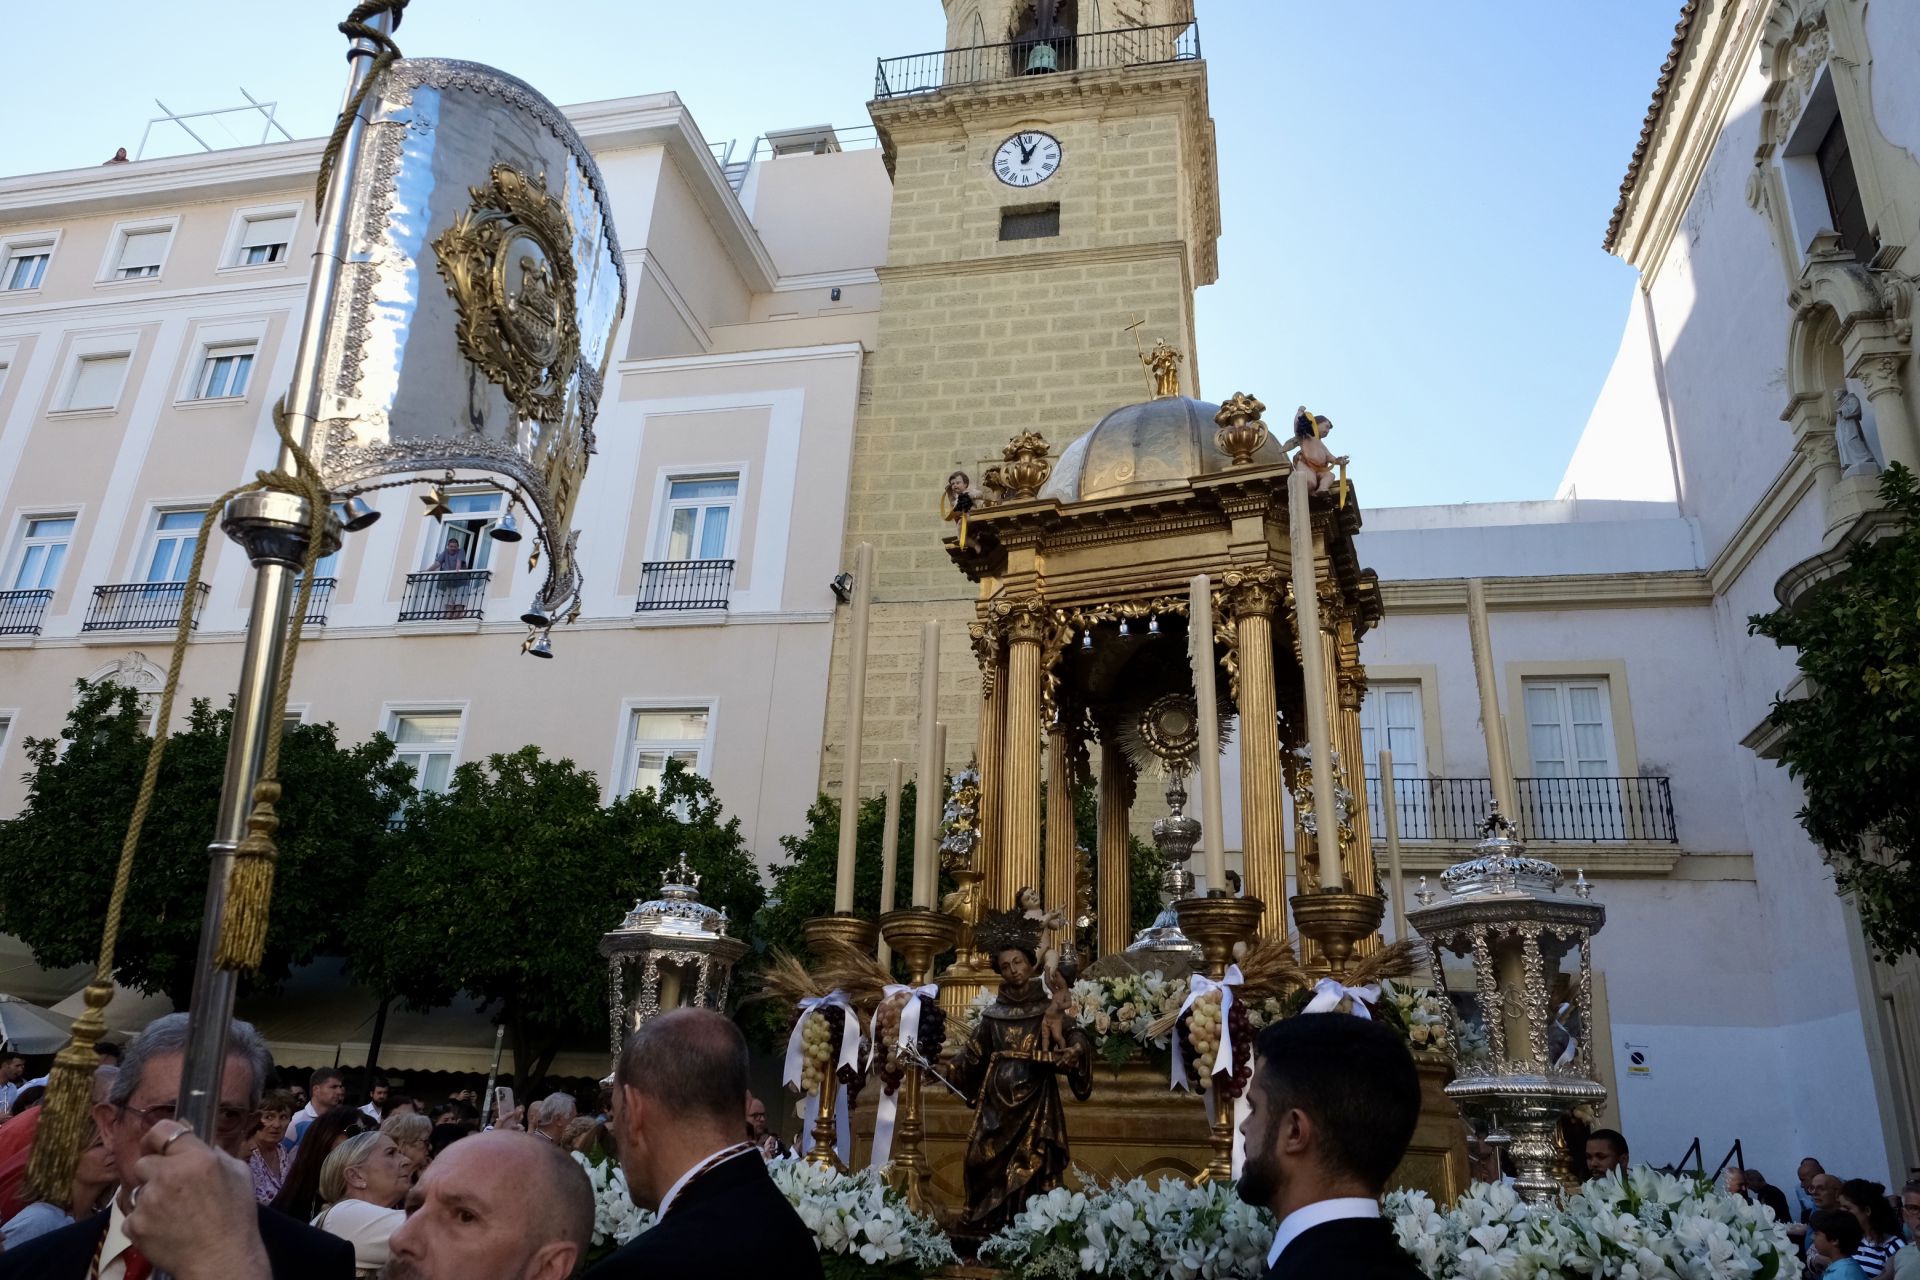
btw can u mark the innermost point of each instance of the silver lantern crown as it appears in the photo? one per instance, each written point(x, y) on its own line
point(669, 952)
point(478, 296)
point(1505, 911)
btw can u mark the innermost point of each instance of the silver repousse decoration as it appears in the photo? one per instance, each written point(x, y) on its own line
point(1504, 911)
point(668, 952)
point(479, 297)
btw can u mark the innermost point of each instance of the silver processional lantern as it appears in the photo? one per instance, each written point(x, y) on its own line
point(668, 953)
point(1504, 911)
point(476, 306)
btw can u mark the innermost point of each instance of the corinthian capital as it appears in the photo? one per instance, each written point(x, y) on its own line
point(1880, 373)
point(1252, 591)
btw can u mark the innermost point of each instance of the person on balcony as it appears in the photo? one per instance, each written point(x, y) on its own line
point(450, 560)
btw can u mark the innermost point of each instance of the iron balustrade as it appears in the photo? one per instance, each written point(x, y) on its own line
point(450, 595)
point(684, 584)
point(318, 601)
point(22, 611)
point(984, 64)
point(143, 606)
point(1551, 809)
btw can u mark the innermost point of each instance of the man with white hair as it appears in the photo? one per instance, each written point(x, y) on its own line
point(552, 1115)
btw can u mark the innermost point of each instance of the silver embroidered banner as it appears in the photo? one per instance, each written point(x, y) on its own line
point(476, 311)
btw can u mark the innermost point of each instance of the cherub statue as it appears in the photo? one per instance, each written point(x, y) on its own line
point(993, 487)
point(957, 498)
point(1309, 432)
point(1053, 1025)
point(1047, 923)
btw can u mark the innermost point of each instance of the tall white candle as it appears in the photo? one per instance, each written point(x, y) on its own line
point(856, 709)
point(930, 784)
point(890, 847)
point(1200, 654)
point(1306, 612)
point(1390, 819)
point(1499, 763)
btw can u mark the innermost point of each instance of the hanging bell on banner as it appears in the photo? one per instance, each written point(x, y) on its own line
point(481, 289)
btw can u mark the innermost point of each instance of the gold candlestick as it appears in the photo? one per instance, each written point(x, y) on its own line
point(1217, 924)
point(823, 933)
point(1336, 920)
point(918, 935)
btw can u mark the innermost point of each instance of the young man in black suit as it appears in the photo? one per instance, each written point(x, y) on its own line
point(144, 1095)
point(679, 1116)
point(1332, 1107)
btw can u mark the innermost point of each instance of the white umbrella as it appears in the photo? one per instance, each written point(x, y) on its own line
point(27, 1028)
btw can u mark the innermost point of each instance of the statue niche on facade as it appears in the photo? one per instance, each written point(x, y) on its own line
point(1017, 1148)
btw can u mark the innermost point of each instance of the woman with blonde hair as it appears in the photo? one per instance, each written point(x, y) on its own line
point(361, 1183)
point(410, 1132)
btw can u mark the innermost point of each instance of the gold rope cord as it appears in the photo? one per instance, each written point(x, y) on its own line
point(66, 1110)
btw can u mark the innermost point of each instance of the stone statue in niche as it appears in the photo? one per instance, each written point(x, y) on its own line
point(1856, 457)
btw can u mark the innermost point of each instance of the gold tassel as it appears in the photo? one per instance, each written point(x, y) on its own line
point(243, 930)
point(66, 1113)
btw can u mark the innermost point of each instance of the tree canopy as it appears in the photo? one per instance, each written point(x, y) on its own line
point(1852, 738)
point(57, 858)
point(500, 888)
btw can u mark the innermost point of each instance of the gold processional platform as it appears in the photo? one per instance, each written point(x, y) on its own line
point(1134, 1126)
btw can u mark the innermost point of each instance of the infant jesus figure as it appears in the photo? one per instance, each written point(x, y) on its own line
point(1309, 432)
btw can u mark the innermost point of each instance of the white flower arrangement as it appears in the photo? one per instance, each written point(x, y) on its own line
point(616, 1218)
point(857, 1217)
point(1640, 1225)
point(1643, 1226)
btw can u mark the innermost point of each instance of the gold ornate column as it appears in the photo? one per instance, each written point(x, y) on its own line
point(1018, 857)
point(991, 655)
point(1352, 690)
point(1254, 595)
point(1113, 909)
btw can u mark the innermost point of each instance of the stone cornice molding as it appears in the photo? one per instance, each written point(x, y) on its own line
point(1794, 480)
point(1681, 589)
point(1041, 261)
point(1713, 47)
point(1815, 569)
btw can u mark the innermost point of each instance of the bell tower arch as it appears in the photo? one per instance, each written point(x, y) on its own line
point(1054, 181)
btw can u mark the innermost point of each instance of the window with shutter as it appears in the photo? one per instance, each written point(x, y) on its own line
point(1391, 718)
point(141, 253)
point(266, 240)
point(96, 382)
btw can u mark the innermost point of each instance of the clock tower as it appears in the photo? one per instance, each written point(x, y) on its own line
point(1054, 182)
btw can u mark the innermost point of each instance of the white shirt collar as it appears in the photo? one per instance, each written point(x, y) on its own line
point(1315, 1214)
point(721, 1156)
point(113, 1248)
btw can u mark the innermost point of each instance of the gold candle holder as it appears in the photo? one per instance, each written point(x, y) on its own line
point(1336, 920)
point(917, 935)
point(822, 933)
point(1217, 924)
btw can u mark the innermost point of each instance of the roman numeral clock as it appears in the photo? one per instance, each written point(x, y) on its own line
point(1027, 159)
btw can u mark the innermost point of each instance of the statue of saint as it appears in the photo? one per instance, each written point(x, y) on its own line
point(1856, 458)
point(1163, 362)
point(1018, 1146)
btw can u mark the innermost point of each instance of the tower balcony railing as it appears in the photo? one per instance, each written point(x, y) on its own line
point(142, 606)
point(671, 585)
point(988, 63)
point(1571, 810)
point(451, 595)
point(22, 611)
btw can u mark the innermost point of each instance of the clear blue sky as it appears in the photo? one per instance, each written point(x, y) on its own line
point(1413, 195)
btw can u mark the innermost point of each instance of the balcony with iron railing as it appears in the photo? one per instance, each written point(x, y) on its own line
point(22, 611)
point(142, 606)
point(1552, 810)
point(319, 600)
point(682, 585)
point(454, 595)
point(988, 63)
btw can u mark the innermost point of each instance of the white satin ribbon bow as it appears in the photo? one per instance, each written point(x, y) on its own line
point(909, 1034)
point(1328, 993)
point(1199, 986)
point(849, 1057)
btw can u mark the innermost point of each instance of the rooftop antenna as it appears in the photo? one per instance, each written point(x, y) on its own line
point(268, 123)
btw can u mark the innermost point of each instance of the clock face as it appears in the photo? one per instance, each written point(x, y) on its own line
point(1027, 159)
